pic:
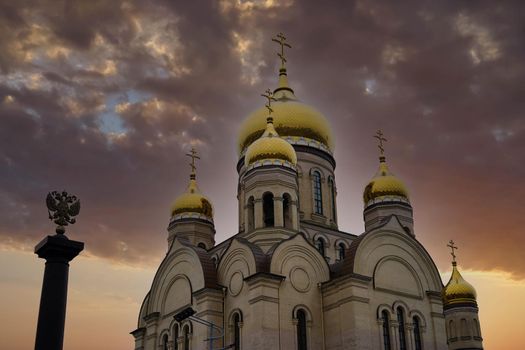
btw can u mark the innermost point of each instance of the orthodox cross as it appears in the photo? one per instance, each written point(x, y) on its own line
point(281, 40)
point(268, 94)
point(380, 137)
point(193, 155)
point(452, 248)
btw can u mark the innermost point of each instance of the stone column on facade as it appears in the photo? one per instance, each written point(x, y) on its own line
point(409, 331)
point(394, 329)
point(381, 335)
point(264, 301)
point(295, 215)
point(295, 322)
point(246, 224)
point(278, 211)
point(258, 213)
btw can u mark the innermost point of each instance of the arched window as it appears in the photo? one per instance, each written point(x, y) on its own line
point(477, 330)
point(287, 210)
point(237, 319)
point(401, 322)
point(331, 185)
point(176, 337)
point(268, 216)
point(318, 196)
point(165, 342)
point(341, 251)
point(417, 334)
point(452, 329)
point(251, 214)
point(464, 329)
point(201, 245)
point(319, 244)
point(386, 330)
point(301, 330)
point(186, 334)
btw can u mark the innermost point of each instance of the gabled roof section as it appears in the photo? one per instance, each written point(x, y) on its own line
point(346, 266)
point(208, 267)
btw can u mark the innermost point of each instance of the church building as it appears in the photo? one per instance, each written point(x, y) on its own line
point(290, 279)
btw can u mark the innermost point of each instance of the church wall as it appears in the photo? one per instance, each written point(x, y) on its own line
point(332, 241)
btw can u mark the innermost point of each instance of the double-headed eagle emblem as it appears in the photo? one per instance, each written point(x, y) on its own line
point(62, 208)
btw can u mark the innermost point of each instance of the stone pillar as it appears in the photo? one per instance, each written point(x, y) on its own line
point(295, 215)
point(278, 211)
point(394, 329)
point(409, 331)
point(264, 300)
point(58, 251)
point(258, 213)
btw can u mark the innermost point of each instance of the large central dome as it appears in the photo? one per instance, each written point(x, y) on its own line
point(293, 120)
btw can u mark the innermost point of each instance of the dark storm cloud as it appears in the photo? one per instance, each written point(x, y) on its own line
point(443, 79)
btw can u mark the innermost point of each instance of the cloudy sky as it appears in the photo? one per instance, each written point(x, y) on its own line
point(104, 98)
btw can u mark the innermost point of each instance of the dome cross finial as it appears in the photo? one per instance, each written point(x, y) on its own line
point(268, 94)
point(281, 40)
point(452, 247)
point(381, 138)
point(193, 155)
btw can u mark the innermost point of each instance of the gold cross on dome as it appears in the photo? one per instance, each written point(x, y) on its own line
point(268, 94)
point(380, 137)
point(281, 40)
point(193, 155)
point(453, 247)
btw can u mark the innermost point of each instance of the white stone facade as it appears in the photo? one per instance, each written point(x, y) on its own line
point(271, 273)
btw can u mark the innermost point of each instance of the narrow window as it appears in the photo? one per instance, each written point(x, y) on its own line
point(268, 216)
point(237, 331)
point(175, 337)
point(464, 329)
point(476, 328)
point(287, 211)
point(401, 322)
point(165, 342)
point(319, 244)
point(251, 214)
point(301, 330)
point(417, 334)
point(201, 245)
point(332, 197)
point(186, 338)
point(341, 251)
point(318, 197)
point(452, 329)
point(386, 330)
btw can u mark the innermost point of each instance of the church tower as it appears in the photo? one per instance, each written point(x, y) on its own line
point(308, 131)
point(192, 213)
point(270, 191)
point(386, 195)
point(461, 311)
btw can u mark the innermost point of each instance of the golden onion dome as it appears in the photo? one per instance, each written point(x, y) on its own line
point(457, 290)
point(270, 146)
point(192, 201)
point(292, 118)
point(384, 184)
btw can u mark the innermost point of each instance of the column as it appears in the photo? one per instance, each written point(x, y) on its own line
point(295, 215)
point(58, 251)
point(278, 211)
point(258, 213)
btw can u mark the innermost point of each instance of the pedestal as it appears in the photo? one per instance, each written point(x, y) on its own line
point(58, 251)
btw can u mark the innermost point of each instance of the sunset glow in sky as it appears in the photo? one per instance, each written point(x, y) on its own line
point(104, 98)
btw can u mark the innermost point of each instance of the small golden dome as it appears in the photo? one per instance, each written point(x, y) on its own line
point(270, 146)
point(192, 201)
point(457, 290)
point(384, 184)
point(291, 118)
